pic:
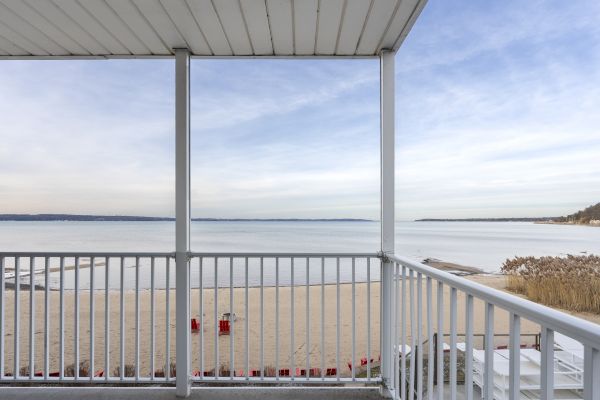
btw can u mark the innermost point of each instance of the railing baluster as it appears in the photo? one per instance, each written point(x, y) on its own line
point(440, 340)
point(247, 344)
point(411, 382)
point(292, 361)
point(262, 319)
point(216, 318)
point(430, 339)
point(168, 320)
point(232, 321)
point(17, 306)
point(106, 319)
point(402, 349)
point(515, 357)
point(395, 320)
point(61, 331)
point(31, 317)
point(419, 336)
point(92, 310)
point(46, 318)
point(337, 316)
point(2, 303)
point(369, 318)
point(152, 328)
point(201, 300)
point(547, 363)
point(137, 318)
point(277, 318)
point(591, 370)
point(307, 318)
point(488, 377)
point(381, 332)
point(469, 347)
point(76, 317)
point(353, 319)
point(122, 317)
point(453, 312)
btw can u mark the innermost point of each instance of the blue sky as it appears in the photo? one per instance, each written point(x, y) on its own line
point(497, 116)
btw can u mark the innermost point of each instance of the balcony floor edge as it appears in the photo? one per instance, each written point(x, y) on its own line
point(216, 393)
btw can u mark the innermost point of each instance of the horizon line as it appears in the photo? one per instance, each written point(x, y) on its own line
point(140, 218)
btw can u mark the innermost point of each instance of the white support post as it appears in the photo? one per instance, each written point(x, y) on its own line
point(182, 224)
point(591, 371)
point(547, 356)
point(387, 93)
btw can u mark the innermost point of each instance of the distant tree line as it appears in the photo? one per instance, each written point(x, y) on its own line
point(74, 217)
point(525, 219)
point(589, 216)
point(592, 213)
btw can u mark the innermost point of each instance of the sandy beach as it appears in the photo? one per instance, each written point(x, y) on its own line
point(207, 359)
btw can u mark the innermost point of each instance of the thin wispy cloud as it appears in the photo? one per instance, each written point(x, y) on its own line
point(496, 116)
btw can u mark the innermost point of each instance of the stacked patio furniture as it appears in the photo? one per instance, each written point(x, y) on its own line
point(568, 374)
point(568, 351)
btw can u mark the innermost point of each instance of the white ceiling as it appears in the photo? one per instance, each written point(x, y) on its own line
point(221, 28)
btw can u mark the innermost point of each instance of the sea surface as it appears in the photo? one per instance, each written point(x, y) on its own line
point(485, 245)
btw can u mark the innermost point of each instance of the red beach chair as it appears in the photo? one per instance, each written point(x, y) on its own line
point(284, 372)
point(364, 361)
point(224, 327)
point(99, 373)
point(331, 372)
point(195, 325)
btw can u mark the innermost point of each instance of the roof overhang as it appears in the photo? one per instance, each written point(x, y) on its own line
point(65, 29)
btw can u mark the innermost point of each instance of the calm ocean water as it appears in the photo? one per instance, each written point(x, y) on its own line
point(480, 244)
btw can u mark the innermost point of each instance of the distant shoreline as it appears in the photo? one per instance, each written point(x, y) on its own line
point(526, 219)
point(588, 217)
point(566, 223)
point(132, 218)
point(541, 221)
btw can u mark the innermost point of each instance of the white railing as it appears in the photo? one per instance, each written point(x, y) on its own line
point(71, 332)
point(307, 322)
point(490, 372)
point(112, 314)
point(283, 317)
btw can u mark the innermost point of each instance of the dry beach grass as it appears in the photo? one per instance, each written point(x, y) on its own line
point(571, 282)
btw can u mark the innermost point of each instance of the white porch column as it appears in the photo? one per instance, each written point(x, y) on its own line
point(182, 224)
point(387, 92)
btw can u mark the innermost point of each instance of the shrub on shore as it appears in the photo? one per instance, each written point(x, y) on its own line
point(129, 371)
point(571, 282)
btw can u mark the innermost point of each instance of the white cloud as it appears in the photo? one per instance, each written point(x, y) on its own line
point(496, 116)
